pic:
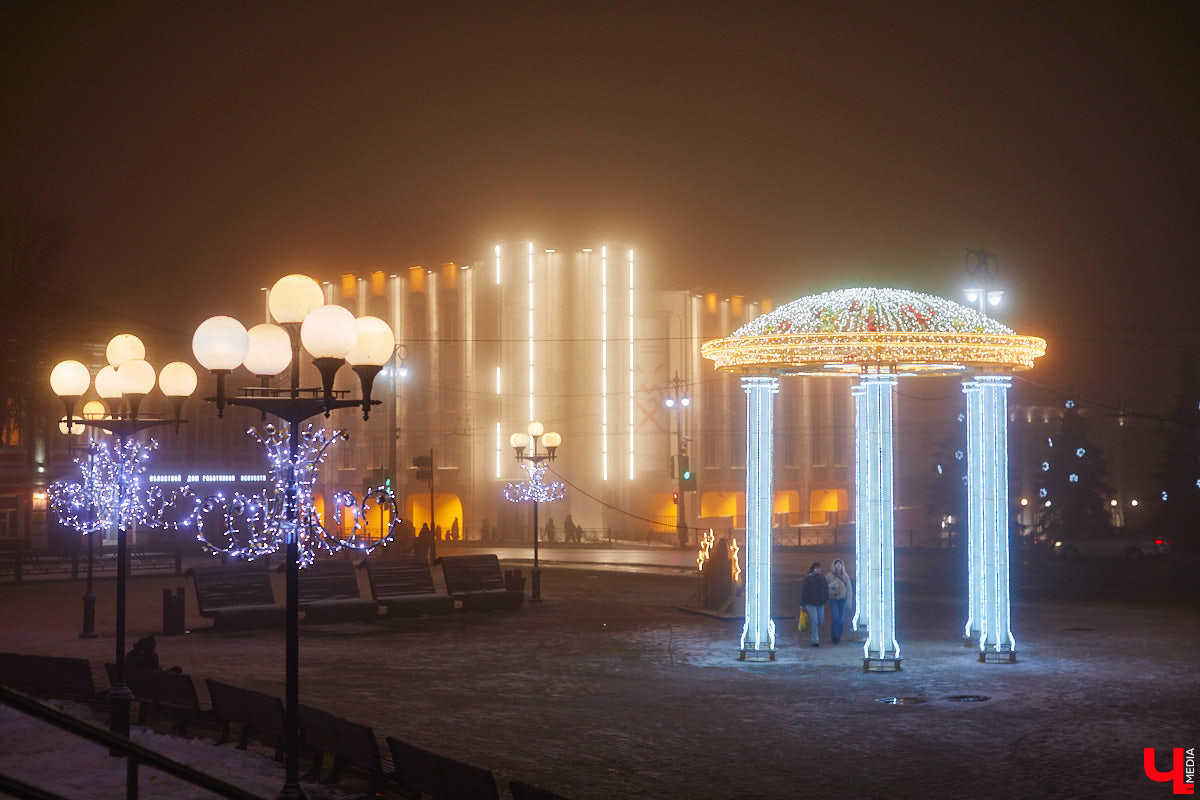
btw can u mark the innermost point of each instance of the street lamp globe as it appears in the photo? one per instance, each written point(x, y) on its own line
point(536, 429)
point(375, 343)
point(293, 297)
point(329, 332)
point(124, 347)
point(270, 350)
point(220, 343)
point(177, 379)
point(519, 441)
point(136, 377)
point(70, 379)
point(107, 385)
point(552, 440)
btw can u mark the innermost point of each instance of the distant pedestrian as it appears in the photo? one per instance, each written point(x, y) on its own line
point(485, 530)
point(840, 591)
point(424, 539)
point(550, 530)
point(454, 530)
point(814, 594)
point(571, 531)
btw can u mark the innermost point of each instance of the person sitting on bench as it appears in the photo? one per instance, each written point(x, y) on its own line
point(143, 656)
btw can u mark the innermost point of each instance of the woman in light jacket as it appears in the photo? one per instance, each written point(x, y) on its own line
point(840, 591)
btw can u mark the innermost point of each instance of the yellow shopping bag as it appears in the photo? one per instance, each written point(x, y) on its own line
point(803, 619)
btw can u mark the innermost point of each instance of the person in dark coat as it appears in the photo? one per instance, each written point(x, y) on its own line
point(142, 656)
point(814, 594)
point(424, 539)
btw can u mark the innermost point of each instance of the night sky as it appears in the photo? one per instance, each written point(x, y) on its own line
point(763, 149)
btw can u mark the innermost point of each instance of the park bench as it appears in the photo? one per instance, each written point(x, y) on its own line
point(523, 791)
point(416, 770)
point(357, 748)
point(171, 694)
point(478, 583)
point(404, 586)
point(49, 676)
point(329, 593)
point(464, 781)
point(236, 598)
point(257, 714)
point(318, 733)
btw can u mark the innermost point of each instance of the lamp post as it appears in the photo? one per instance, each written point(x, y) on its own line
point(683, 468)
point(333, 337)
point(534, 463)
point(135, 378)
point(92, 409)
point(982, 271)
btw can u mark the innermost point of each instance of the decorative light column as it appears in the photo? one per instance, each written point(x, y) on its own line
point(873, 432)
point(862, 545)
point(333, 337)
point(111, 492)
point(988, 623)
point(683, 468)
point(533, 490)
point(758, 632)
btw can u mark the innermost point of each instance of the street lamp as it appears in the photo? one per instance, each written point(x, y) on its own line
point(533, 490)
point(92, 409)
point(333, 337)
point(685, 478)
point(122, 465)
point(982, 271)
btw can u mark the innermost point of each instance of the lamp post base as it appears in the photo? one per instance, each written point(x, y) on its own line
point(89, 617)
point(119, 698)
point(536, 583)
point(291, 791)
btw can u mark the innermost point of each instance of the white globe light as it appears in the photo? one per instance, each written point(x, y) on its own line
point(107, 385)
point(136, 376)
point(293, 297)
point(177, 379)
point(519, 440)
point(70, 378)
point(536, 429)
point(375, 344)
point(93, 409)
point(124, 347)
point(220, 343)
point(552, 439)
point(74, 430)
point(270, 350)
point(329, 332)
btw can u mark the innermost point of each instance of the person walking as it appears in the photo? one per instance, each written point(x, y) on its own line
point(814, 594)
point(840, 591)
point(424, 540)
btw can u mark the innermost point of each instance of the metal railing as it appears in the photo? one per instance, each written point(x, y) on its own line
point(135, 754)
point(18, 565)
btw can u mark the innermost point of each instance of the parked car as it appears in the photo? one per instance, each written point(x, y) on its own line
point(1132, 544)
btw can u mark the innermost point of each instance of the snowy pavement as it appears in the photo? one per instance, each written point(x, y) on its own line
point(607, 690)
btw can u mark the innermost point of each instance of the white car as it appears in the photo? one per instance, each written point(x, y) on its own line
point(1132, 544)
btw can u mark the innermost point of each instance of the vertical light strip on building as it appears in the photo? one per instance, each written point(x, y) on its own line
point(498, 265)
point(631, 469)
point(499, 450)
point(532, 416)
point(604, 363)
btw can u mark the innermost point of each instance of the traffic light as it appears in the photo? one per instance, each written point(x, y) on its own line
point(685, 473)
point(424, 465)
point(675, 498)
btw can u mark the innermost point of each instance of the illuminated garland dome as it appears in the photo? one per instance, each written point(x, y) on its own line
point(849, 331)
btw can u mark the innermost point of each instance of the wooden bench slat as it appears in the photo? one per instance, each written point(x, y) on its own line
point(405, 587)
point(478, 582)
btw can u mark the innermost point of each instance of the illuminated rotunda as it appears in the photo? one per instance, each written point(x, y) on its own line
point(880, 336)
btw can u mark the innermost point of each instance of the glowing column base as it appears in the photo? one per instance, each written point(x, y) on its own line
point(873, 440)
point(758, 633)
point(987, 491)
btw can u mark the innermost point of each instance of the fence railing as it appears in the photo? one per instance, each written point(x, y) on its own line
point(19, 565)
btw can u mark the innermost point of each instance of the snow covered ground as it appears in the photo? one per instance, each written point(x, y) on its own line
point(607, 690)
point(39, 753)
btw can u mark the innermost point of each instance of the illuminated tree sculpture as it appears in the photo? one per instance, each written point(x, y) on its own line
point(257, 525)
point(879, 336)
